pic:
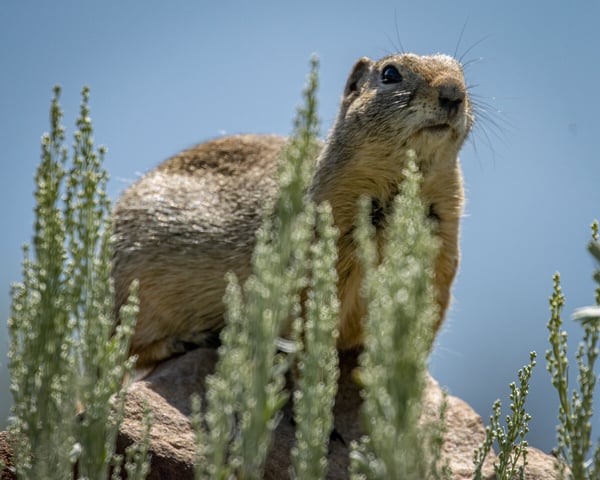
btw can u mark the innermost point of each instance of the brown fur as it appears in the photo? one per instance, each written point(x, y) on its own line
point(186, 223)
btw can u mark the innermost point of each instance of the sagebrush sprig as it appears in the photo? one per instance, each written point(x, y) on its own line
point(575, 411)
point(100, 356)
point(317, 360)
point(40, 325)
point(137, 460)
point(398, 337)
point(245, 394)
point(569, 446)
point(511, 442)
point(439, 467)
point(63, 354)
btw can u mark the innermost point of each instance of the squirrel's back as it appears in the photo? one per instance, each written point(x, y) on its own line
point(182, 226)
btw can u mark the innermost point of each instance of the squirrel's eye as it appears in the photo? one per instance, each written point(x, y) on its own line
point(390, 74)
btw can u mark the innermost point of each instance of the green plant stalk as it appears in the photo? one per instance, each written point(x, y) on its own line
point(512, 446)
point(398, 338)
point(557, 357)
point(99, 359)
point(63, 352)
point(439, 468)
point(574, 429)
point(318, 361)
point(510, 452)
point(40, 326)
point(591, 329)
point(137, 459)
point(482, 451)
point(246, 392)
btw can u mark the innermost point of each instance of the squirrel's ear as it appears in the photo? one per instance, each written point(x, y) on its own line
point(357, 77)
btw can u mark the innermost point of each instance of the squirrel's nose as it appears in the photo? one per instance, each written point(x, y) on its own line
point(450, 97)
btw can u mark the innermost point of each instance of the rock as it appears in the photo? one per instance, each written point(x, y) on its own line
point(168, 388)
point(6, 453)
point(166, 391)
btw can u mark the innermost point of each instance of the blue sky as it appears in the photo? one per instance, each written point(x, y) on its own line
point(167, 75)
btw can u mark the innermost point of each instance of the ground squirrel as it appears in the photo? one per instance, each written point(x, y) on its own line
point(182, 226)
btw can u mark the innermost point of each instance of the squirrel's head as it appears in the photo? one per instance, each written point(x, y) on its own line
point(408, 101)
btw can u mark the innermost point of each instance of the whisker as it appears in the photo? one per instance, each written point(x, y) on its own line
point(489, 127)
point(395, 47)
point(386, 52)
point(473, 61)
point(398, 31)
point(499, 126)
point(460, 37)
point(478, 42)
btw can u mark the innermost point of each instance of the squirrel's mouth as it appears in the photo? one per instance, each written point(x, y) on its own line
point(441, 128)
point(436, 128)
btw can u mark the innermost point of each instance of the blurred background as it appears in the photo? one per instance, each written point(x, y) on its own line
point(167, 75)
